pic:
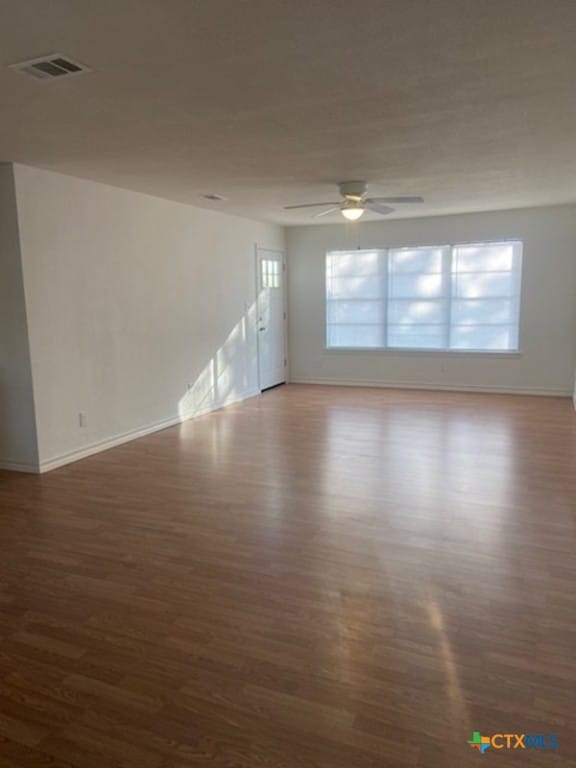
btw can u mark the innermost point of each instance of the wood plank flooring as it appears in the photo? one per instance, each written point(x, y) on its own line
point(316, 578)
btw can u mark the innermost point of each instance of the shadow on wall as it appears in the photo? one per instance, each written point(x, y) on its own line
point(4, 414)
point(12, 432)
point(230, 375)
point(18, 444)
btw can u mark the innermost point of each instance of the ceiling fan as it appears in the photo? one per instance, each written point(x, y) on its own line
point(354, 202)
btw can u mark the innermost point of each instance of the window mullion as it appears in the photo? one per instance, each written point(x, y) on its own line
point(517, 297)
point(385, 298)
point(448, 287)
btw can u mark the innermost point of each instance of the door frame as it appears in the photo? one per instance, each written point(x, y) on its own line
point(258, 251)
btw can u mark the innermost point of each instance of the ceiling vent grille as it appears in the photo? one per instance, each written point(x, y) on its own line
point(53, 67)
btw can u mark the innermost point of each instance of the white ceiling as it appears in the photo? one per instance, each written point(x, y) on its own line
point(470, 103)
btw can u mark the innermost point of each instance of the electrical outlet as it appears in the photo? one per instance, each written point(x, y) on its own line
point(82, 422)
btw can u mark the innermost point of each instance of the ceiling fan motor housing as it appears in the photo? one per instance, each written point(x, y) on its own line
point(352, 189)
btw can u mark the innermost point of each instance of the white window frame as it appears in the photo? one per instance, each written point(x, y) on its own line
point(447, 271)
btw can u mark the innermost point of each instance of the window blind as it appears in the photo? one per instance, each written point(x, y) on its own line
point(461, 297)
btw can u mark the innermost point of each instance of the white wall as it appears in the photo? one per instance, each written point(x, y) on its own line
point(140, 310)
point(548, 311)
point(17, 424)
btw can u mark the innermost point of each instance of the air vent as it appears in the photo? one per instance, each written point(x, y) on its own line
point(53, 67)
point(213, 196)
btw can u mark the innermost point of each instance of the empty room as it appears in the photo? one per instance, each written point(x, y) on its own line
point(287, 384)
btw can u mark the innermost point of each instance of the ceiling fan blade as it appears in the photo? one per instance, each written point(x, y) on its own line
point(401, 199)
point(325, 213)
point(384, 210)
point(310, 205)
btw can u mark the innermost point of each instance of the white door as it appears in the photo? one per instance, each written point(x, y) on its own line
point(271, 318)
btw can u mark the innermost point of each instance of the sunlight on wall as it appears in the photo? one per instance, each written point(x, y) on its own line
point(229, 375)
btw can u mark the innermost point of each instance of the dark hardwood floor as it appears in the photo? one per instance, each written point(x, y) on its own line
point(319, 577)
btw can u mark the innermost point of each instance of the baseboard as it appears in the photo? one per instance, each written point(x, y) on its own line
point(126, 437)
point(104, 445)
point(17, 466)
point(195, 413)
point(496, 390)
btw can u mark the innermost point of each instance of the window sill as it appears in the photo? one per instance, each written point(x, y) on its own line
point(412, 351)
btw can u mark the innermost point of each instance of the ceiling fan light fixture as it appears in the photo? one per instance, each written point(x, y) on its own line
point(352, 212)
point(354, 202)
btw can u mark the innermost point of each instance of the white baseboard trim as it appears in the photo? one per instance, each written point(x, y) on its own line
point(495, 390)
point(104, 445)
point(17, 466)
point(194, 414)
point(126, 437)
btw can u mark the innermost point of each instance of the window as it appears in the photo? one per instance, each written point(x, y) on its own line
point(461, 297)
point(270, 273)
